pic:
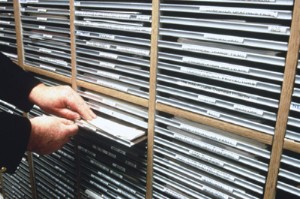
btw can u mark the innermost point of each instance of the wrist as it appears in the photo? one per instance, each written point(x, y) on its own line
point(36, 93)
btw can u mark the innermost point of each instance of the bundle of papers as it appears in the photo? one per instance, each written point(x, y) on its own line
point(115, 129)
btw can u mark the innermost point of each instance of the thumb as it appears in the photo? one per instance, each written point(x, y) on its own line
point(70, 128)
point(68, 114)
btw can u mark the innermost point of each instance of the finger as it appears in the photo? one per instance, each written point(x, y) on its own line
point(71, 130)
point(79, 105)
point(68, 114)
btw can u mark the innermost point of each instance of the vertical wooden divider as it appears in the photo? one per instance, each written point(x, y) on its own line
point(74, 84)
point(152, 94)
point(73, 45)
point(20, 55)
point(19, 37)
point(284, 103)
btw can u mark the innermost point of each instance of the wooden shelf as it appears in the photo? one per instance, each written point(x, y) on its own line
point(47, 73)
point(232, 128)
point(291, 145)
point(113, 93)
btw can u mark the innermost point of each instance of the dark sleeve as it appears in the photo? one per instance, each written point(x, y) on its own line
point(15, 84)
point(14, 137)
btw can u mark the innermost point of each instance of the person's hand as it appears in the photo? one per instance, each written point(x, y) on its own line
point(62, 101)
point(49, 134)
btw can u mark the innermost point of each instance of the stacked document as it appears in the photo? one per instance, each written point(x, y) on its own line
point(193, 158)
point(120, 121)
point(46, 31)
point(293, 128)
point(289, 178)
point(113, 43)
point(110, 169)
point(8, 43)
point(224, 59)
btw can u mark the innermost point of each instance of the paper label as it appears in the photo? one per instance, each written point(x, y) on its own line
point(1, 28)
point(279, 29)
point(42, 27)
point(108, 55)
point(80, 33)
point(77, 3)
point(217, 90)
point(55, 61)
point(113, 86)
point(174, 193)
point(206, 99)
point(106, 36)
point(133, 50)
point(231, 39)
point(41, 18)
point(4, 22)
point(214, 114)
point(42, 10)
point(47, 67)
point(3, 0)
point(114, 26)
point(44, 50)
point(220, 77)
point(143, 17)
point(295, 106)
point(206, 146)
point(248, 109)
point(47, 36)
point(208, 134)
point(217, 184)
point(206, 158)
point(107, 64)
point(2, 8)
point(98, 44)
point(4, 43)
point(215, 51)
point(239, 11)
point(205, 168)
point(1, 34)
point(109, 75)
point(214, 64)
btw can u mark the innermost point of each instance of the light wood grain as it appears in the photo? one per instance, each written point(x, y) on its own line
point(284, 103)
point(152, 95)
point(73, 46)
point(291, 145)
point(47, 73)
point(113, 93)
point(19, 37)
point(232, 128)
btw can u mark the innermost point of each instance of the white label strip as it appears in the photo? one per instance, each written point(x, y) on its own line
point(47, 67)
point(248, 109)
point(231, 39)
point(214, 64)
point(209, 135)
point(108, 55)
point(239, 11)
point(215, 51)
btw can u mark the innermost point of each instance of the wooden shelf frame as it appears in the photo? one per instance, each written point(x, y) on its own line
point(284, 103)
point(278, 142)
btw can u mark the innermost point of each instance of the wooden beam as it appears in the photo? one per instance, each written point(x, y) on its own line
point(152, 94)
point(284, 103)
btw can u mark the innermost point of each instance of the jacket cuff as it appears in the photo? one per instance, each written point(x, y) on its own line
point(14, 140)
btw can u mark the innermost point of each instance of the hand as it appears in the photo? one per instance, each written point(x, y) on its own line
point(49, 134)
point(62, 101)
